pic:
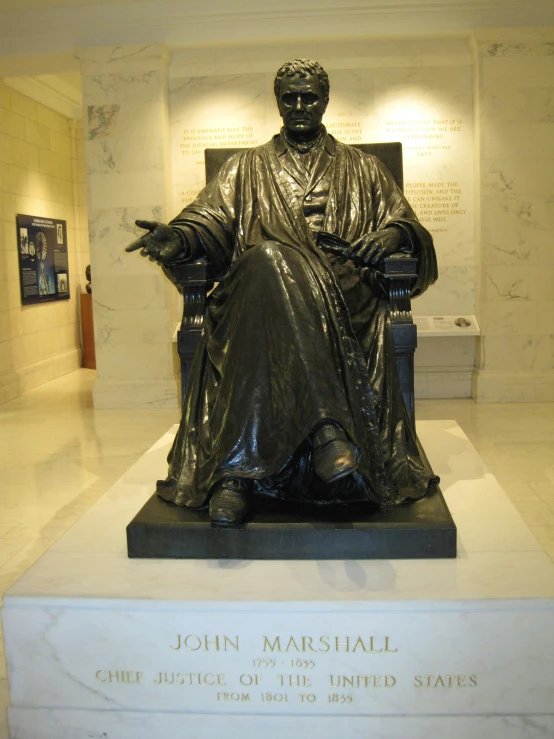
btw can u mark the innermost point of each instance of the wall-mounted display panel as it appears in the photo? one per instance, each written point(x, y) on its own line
point(43, 260)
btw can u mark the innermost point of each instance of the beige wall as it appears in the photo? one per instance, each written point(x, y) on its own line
point(41, 173)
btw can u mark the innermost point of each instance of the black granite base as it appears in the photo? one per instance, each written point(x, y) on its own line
point(420, 530)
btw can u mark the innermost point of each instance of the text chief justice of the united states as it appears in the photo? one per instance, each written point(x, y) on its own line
point(294, 389)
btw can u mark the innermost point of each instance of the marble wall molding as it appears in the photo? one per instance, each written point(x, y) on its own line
point(176, 23)
point(130, 58)
point(32, 723)
point(515, 386)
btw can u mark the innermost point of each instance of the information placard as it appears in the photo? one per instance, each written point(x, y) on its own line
point(43, 260)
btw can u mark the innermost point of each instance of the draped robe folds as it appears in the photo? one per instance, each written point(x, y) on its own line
point(294, 337)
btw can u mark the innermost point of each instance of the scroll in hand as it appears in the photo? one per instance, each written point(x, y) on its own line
point(367, 250)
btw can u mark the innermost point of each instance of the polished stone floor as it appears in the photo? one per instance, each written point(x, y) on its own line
point(58, 456)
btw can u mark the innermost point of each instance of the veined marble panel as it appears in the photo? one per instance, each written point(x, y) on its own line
point(532, 140)
point(518, 105)
point(131, 326)
point(225, 111)
point(28, 723)
point(517, 176)
point(123, 189)
point(519, 282)
point(126, 134)
point(509, 386)
point(139, 151)
point(135, 292)
point(516, 89)
point(128, 61)
point(521, 72)
point(516, 211)
point(179, 660)
point(518, 48)
point(453, 293)
point(458, 351)
point(117, 88)
point(446, 382)
point(117, 356)
point(111, 230)
point(515, 353)
point(516, 317)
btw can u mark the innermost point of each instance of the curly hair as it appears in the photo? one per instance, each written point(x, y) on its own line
point(302, 68)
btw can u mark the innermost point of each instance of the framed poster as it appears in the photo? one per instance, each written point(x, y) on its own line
point(43, 261)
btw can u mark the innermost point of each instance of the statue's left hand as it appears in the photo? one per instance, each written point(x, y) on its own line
point(372, 248)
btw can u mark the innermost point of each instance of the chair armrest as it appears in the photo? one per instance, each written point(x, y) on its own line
point(400, 273)
point(186, 275)
point(194, 281)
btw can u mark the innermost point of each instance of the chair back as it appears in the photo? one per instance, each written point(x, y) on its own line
point(389, 153)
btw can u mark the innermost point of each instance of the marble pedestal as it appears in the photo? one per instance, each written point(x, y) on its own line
point(101, 645)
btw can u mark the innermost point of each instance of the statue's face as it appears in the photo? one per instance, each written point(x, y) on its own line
point(301, 105)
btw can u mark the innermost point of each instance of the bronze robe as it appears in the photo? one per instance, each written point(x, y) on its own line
point(294, 337)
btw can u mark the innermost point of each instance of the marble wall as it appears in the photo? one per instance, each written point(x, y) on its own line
point(126, 142)
point(515, 147)
point(42, 173)
point(426, 102)
point(476, 126)
point(419, 92)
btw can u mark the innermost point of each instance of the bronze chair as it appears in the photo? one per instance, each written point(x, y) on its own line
point(193, 282)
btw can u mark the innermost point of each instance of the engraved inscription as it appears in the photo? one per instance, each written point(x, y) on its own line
point(190, 678)
point(119, 676)
point(195, 140)
point(362, 681)
point(349, 132)
point(324, 644)
point(344, 675)
point(435, 202)
point(425, 136)
point(445, 681)
point(194, 643)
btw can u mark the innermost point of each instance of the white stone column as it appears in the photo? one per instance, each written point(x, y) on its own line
point(514, 88)
point(125, 91)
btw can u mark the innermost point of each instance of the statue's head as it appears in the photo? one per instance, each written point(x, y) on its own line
point(302, 91)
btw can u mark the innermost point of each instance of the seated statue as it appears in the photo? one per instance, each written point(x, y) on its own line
point(294, 390)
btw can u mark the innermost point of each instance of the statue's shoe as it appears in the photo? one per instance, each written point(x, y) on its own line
point(230, 503)
point(333, 455)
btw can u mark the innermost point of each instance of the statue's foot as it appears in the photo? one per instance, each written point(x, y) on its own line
point(230, 503)
point(333, 455)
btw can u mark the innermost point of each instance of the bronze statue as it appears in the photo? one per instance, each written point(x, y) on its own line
point(294, 390)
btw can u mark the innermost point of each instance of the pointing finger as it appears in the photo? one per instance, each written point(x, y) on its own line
point(138, 244)
point(150, 225)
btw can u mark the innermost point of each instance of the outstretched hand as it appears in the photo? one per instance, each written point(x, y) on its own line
point(161, 244)
point(373, 247)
